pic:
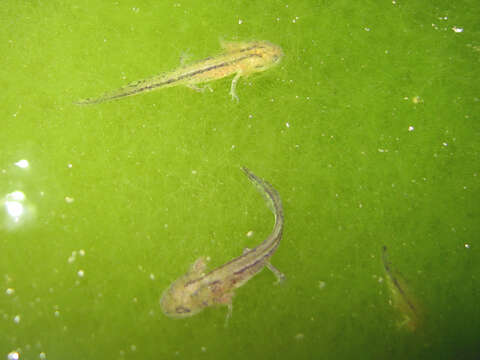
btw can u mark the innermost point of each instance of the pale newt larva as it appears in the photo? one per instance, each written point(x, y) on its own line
point(239, 58)
point(402, 298)
point(197, 289)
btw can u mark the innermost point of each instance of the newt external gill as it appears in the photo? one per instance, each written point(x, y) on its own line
point(198, 289)
point(402, 298)
point(239, 58)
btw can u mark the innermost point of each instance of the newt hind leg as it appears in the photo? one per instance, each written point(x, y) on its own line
point(278, 274)
point(233, 92)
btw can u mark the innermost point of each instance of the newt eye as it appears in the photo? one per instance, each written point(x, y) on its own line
point(182, 310)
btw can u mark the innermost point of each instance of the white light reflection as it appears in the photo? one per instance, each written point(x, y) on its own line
point(17, 209)
point(14, 209)
point(13, 204)
point(22, 164)
point(14, 355)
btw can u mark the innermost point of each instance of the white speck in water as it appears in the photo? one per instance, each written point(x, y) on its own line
point(457, 29)
point(287, 124)
point(232, 147)
point(10, 291)
point(366, 29)
point(42, 356)
point(80, 273)
point(23, 164)
point(69, 166)
point(360, 205)
point(13, 355)
point(81, 252)
point(467, 246)
point(133, 347)
point(56, 313)
point(321, 284)
point(69, 199)
point(299, 336)
point(444, 144)
point(411, 128)
point(194, 172)
point(240, 21)
point(152, 276)
point(250, 233)
point(16, 319)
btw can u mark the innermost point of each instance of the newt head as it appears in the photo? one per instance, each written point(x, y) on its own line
point(267, 55)
point(184, 297)
point(180, 300)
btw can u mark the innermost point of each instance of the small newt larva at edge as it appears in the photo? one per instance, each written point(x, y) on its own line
point(239, 58)
point(198, 289)
point(402, 299)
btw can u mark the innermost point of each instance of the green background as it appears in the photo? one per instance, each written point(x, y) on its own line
point(131, 192)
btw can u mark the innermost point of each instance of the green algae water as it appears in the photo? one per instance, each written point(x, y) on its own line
point(368, 129)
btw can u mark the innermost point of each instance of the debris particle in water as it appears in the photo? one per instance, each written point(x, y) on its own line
point(417, 100)
point(411, 128)
point(321, 284)
point(10, 291)
point(467, 246)
point(250, 233)
point(16, 319)
point(457, 29)
point(80, 273)
point(299, 336)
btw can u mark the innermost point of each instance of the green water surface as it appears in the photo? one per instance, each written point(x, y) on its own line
point(368, 128)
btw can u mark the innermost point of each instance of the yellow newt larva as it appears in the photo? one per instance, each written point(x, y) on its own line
point(197, 290)
point(402, 299)
point(239, 58)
